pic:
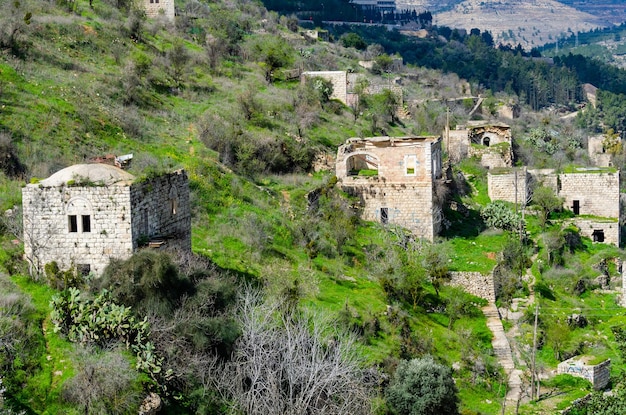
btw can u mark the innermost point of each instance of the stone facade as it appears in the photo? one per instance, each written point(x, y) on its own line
point(599, 375)
point(502, 185)
point(399, 187)
point(598, 230)
point(84, 215)
point(491, 142)
point(475, 283)
point(339, 79)
point(591, 192)
point(156, 8)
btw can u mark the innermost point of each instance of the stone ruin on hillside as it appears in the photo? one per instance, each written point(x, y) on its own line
point(395, 180)
point(86, 214)
point(491, 142)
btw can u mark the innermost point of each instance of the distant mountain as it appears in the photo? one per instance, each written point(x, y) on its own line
point(529, 23)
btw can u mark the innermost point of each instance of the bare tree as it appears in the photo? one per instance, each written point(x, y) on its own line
point(292, 365)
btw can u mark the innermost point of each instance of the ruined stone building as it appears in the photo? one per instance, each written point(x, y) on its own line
point(84, 215)
point(491, 142)
point(591, 193)
point(156, 8)
point(597, 152)
point(395, 179)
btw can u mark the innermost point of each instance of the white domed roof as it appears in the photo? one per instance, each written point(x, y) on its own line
point(94, 174)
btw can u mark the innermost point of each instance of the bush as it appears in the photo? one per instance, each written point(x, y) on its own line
point(499, 215)
point(422, 387)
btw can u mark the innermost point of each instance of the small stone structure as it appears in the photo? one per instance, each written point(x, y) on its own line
point(84, 215)
point(156, 8)
point(475, 283)
point(599, 375)
point(510, 184)
point(339, 79)
point(597, 152)
point(395, 178)
point(491, 142)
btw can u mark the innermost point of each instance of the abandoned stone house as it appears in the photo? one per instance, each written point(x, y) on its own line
point(591, 193)
point(395, 179)
point(491, 142)
point(156, 8)
point(86, 214)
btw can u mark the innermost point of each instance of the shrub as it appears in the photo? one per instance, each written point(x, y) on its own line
point(499, 215)
point(422, 387)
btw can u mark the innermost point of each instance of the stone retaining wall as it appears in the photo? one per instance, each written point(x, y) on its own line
point(475, 283)
point(502, 186)
point(599, 375)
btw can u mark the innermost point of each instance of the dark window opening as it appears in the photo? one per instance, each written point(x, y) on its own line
point(486, 141)
point(72, 223)
point(576, 207)
point(86, 223)
point(384, 215)
point(83, 269)
point(598, 235)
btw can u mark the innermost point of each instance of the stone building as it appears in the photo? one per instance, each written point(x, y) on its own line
point(395, 179)
point(156, 8)
point(597, 152)
point(490, 142)
point(84, 215)
point(580, 366)
point(339, 79)
point(591, 193)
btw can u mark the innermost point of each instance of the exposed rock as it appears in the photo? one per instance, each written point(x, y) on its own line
point(577, 320)
point(150, 405)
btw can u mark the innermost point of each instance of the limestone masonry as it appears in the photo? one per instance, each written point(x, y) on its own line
point(155, 8)
point(84, 215)
point(599, 375)
point(394, 177)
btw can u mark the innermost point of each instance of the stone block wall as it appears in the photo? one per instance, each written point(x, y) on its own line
point(339, 79)
point(408, 205)
point(590, 227)
point(597, 193)
point(599, 375)
point(160, 209)
point(458, 143)
point(156, 8)
point(47, 228)
point(502, 185)
point(475, 283)
point(492, 157)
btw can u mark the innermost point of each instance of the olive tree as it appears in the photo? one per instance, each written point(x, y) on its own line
point(422, 387)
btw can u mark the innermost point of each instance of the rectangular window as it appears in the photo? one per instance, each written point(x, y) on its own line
point(86, 223)
point(410, 164)
point(72, 223)
point(384, 215)
point(576, 207)
point(83, 269)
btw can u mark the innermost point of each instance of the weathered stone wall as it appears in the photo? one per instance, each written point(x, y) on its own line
point(492, 157)
point(47, 228)
point(156, 8)
point(545, 177)
point(475, 283)
point(502, 185)
point(599, 375)
point(458, 143)
point(160, 209)
point(339, 79)
point(610, 229)
point(597, 193)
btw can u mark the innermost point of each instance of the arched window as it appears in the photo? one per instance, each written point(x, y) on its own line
point(78, 212)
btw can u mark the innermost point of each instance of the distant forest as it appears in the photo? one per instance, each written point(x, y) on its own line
point(343, 10)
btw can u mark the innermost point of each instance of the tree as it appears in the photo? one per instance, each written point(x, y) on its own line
point(435, 263)
point(547, 202)
point(422, 387)
point(289, 363)
point(353, 40)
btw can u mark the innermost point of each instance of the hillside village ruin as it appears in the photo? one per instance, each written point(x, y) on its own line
point(84, 215)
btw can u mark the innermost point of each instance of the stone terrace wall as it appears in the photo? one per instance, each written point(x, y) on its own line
point(475, 283)
point(46, 225)
point(502, 186)
point(160, 209)
point(599, 375)
point(339, 79)
point(597, 193)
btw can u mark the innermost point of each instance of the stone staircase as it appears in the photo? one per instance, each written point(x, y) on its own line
point(502, 350)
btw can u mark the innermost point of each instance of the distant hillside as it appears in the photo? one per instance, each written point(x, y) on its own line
point(529, 23)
